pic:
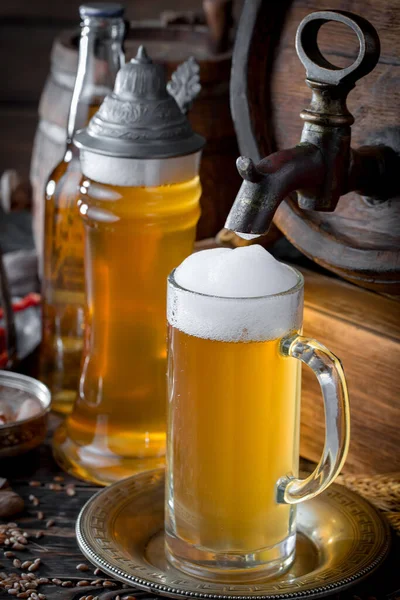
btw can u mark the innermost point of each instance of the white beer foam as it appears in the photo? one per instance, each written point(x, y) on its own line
point(139, 172)
point(235, 295)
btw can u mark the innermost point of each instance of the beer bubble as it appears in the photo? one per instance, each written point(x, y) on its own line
point(195, 271)
point(245, 272)
point(243, 294)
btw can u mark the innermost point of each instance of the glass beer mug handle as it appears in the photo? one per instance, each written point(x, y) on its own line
point(329, 372)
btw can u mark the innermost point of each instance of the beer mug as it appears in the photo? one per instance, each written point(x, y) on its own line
point(234, 373)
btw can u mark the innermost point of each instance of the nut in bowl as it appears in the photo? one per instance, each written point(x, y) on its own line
point(24, 408)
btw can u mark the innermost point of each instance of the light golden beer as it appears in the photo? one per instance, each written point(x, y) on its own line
point(63, 282)
point(233, 413)
point(234, 371)
point(134, 237)
point(233, 427)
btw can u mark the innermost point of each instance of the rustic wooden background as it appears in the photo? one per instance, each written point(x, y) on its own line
point(27, 31)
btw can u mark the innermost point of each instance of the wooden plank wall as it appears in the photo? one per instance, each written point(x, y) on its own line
point(27, 31)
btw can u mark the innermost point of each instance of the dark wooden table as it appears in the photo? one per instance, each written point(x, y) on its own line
point(58, 551)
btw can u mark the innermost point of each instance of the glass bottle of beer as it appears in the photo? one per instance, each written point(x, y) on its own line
point(100, 58)
point(139, 201)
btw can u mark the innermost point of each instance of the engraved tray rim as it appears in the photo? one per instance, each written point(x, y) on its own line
point(155, 478)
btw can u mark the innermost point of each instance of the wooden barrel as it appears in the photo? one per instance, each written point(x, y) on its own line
point(210, 115)
point(363, 329)
point(360, 241)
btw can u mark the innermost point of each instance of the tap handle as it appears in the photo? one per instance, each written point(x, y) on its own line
point(318, 68)
point(248, 170)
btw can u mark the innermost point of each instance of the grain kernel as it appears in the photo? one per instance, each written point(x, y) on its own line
point(22, 540)
point(54, 487)
point(18, 546)
point(31, 585)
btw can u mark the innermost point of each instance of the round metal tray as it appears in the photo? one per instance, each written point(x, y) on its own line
point(341, 540)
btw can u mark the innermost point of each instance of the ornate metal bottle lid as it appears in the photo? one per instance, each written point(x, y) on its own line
point(144, 117)
point(101, 9)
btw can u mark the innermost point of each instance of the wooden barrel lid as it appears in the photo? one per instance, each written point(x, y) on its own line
point(359, 241)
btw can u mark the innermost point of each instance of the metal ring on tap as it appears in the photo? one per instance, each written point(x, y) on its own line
point(318, 68)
